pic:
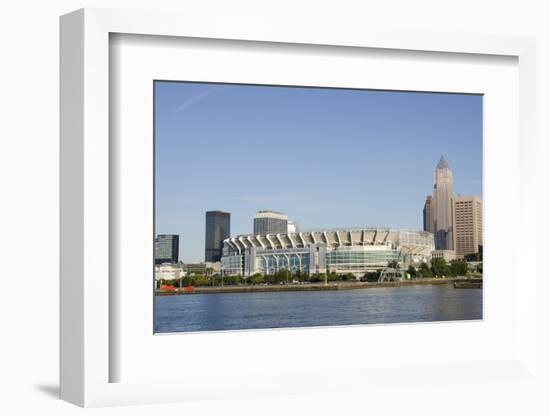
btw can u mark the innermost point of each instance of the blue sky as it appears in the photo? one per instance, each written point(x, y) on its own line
point(326, 157)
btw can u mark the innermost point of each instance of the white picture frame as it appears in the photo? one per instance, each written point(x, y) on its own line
point(86, 214)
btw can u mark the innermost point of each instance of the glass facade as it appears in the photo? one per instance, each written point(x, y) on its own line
point(270, 222)
point(271, 263)
point(167, 248)
point(359, 258)
point(341, 260)
point(264, 226)
point(233, 265)
point(218, 228)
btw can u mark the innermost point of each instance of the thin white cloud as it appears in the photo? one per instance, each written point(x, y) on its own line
point(194, 99)
point(272, 198)
point(254, 199)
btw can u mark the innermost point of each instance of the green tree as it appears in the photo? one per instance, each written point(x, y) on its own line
point(458, 268)
point(282, 275)
point(232, 280)
point(256, 279)
point(371, 276)
point(317, 277)
point(332, 277)
point(440, 267)
point(412, 271)
point(425, 271)
point(199, 280)
point(216, 279)
point(270, 278)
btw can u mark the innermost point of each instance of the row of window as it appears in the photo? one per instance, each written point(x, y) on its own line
point(358, 257)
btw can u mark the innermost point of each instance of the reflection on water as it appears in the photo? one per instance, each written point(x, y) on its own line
point(227, 311)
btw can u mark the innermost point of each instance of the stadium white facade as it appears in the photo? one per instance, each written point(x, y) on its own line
point(341, 251)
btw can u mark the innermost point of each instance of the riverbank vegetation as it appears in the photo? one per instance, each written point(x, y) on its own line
point(438, 268)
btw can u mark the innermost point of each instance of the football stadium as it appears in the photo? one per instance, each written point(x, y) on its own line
point(341, 251)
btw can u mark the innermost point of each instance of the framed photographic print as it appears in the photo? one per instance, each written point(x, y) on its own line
point(322, 157)
point(285, 212)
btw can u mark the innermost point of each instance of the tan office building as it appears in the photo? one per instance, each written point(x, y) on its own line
point(467, 224)
point(442, 203)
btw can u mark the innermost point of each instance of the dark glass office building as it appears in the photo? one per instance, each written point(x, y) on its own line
point(218, 228)
point(167, 248)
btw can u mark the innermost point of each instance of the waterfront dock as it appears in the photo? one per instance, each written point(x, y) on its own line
point(468, 284)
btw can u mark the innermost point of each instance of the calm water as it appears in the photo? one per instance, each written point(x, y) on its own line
point(227, 311)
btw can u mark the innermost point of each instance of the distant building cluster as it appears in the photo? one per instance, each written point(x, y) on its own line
point(455, 221)
point(217, 229)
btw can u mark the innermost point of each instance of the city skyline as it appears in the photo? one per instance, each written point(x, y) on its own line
point(386, 148)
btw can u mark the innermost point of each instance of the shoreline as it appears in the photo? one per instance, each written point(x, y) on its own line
point(308, 287)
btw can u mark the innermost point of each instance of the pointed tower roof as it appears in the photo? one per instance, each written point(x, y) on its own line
point(443, 164)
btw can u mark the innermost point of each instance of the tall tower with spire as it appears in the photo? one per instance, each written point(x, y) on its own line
point(443, 206)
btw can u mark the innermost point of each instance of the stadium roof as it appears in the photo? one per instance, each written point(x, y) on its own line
point(330, 238)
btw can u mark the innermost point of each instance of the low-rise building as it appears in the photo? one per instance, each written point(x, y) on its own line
point(447, 255)
point(202, 268)
point(168, 272)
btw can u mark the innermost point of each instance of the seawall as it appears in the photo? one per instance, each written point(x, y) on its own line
point(303, 287)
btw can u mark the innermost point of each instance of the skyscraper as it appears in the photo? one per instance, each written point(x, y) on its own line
point(468, 225)
point(167, 248)
point(218, 228)
point(428, 215)
point(443, 206)
point(270, 222)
